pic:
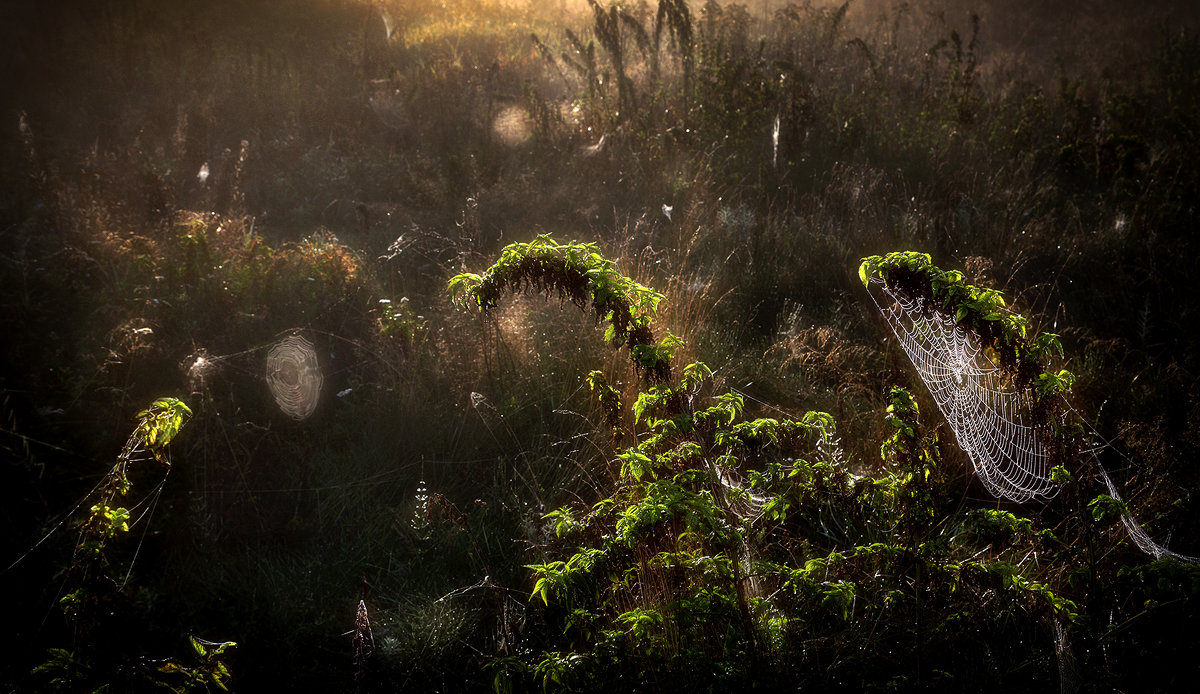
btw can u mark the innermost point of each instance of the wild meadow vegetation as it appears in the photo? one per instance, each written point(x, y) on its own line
point(605, 405)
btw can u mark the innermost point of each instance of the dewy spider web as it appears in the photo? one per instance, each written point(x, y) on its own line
point(1139, 536)
point(989, 415)
point(294, 376)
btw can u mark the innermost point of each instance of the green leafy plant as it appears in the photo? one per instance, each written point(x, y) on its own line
point(982, 310)
point(91, 603)
point(209, 672)
point(724, 532)
point(579, 273)
point(109, 517)
point(399, 323)
point(916, 458)
point(1105, 508)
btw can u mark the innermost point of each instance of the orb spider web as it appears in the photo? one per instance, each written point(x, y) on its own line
point(294, 376)
point(991, 416)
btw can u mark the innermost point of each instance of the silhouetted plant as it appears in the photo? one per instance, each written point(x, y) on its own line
point(93, 602)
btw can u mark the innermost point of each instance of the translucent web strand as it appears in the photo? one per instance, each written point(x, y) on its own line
point(1068, 671)
point(1139, 536)
point(990, 416)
